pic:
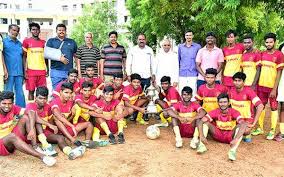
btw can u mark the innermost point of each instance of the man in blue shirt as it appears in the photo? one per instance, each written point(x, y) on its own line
point(59, 69)
point(187, 66)
point(13, 58)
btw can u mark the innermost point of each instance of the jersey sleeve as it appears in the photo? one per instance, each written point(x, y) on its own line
point(212, 115)
point(173, 96)
point(199, 95)
point(78, 98)
point(280, 61)
point(257, 58)
point(126, 94)
point(18, 110)
point(197, 107)
point(236, 115)
point(176, 107)
point(255, 99)
point(25, 45)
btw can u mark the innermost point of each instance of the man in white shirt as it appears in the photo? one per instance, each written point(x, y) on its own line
point(167, 64)
point(140, 60)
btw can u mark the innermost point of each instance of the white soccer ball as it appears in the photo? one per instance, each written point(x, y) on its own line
point(152, 132)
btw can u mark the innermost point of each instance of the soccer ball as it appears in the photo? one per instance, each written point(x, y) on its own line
point(152, 132)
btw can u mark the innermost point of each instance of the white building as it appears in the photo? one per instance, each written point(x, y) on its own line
point(49, 13)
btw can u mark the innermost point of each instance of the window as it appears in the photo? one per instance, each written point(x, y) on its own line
point(74, 6)
point(30, 6)
point(3, 21)
point(125, 19)
point(65, 22)
point(17, 6)
point(65, 8)
point(18, 22)
point(74, 21)
point(82, 6)
point(3, 6)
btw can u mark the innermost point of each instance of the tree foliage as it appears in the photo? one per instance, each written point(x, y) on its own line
point(160, 18)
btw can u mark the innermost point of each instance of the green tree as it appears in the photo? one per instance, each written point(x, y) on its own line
point(99, 18)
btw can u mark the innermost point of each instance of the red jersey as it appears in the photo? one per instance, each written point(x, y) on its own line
point(209, 96)
point(186, 110)
point(90, 101)
point(244, 101)
point(96, 81)
point(250, 62)
point(35, 59)
point(56, 91)
point(270, 64)
point(116, 90)
point(233, 62)
point(44, 113)
point(7, 122)
point(130, 94)
point(108, 108)
point(226, 121)
point(64, 108)
point(171, 95)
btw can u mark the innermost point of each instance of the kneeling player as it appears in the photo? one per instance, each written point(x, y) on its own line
point(61, 110)
point(109, 116)
point(185, 115)
point(222, 126)
point(47, 131)
point(14, 136)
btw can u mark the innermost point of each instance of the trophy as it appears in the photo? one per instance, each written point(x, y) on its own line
point(152, 93)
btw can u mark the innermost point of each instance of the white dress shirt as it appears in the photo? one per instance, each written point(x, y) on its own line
point(166, 64)
point(140, 61)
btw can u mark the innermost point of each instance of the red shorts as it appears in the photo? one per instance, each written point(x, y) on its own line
point(186, 130)
point(16, 131)
point(112, 125)
point(223, 136)
point(33, 82)
point(264, 97)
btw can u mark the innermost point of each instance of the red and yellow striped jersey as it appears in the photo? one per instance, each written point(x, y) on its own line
point(130, 94)
point(171, 95)
point(250, 62)
point(108, 108)
point(186, 110)
point(64, 108)
point(44, 113)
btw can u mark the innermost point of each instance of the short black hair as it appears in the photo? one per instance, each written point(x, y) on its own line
point(281, 46)
point(72, 70)
point(270, 35)
point(87, 84)
point(66, 85)
point(112, 32)
point(212, 71)
point(211, 33)
point(135, 76)
point(240, 75)
point(117, 75)
point(89, 66)
point(227, 34)
point(223, 95)
point(13, 25)
point(5, 95)
point(61, 25)
point(33, 24)
point(141, 34)
point(188, 31)
point(42, 91)
point(108, 89)
point(166, 79)
point(187, 90)
point(248, 36)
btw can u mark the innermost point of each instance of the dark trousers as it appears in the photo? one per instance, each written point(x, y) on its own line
point(145, 82)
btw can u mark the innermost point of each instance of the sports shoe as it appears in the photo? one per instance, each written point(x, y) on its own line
point(101, 143)
point(232, 155)
point(49, 151)
point(247, 139)
point(279, 137)
point(133, 116)
point(178, 142)
point(201, 148)
point(89, 144)
point(270, 135)
point(77, 152)
point(49, 161)
point(77, 143)
point(125, 123)
point(162, 124)
point(142, 122)
point(146, 117)
point(120, 138)
point(193, 143)
point(257, 131)
point(112, 139)
point(38, 149)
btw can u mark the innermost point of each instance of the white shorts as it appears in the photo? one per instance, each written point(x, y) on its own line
point(280, 96)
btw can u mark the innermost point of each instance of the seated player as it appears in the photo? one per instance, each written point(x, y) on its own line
point(14, 133)
point(109, 116)
point(47, 131)
point(61, 108)
point(167, 97)
point(224, 125)
point(135, 100)
point(72, 78)
point(245, 100)
point(185, 115)
point(97, 82)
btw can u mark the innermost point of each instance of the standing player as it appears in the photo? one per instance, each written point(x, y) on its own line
point(61, 108)
point(245, 100)
point(224, 125)
point(185, 115)
point(109, 116)
point(251, 59)
point(35, 65)
point(72, 78)
point(167, 97)
point(233, 54)
point(272, 62)
point(15, 135)
point(134, 99)
point(47, 131)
